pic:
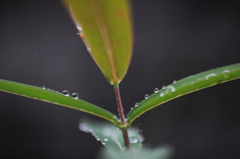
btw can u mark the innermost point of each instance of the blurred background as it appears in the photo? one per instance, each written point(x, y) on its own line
point(173, 39)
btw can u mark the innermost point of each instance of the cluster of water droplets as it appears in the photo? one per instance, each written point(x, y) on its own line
point(167, 89)
point(104, 141)
point(65, 93)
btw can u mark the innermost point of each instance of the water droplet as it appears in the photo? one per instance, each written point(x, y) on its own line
point(156, 90)
point(88, 49)
point(133, 140)
point(163, 87)
point(65, 93)
point(115, 117)
point(103, 143)
point(161, 94)
point(174, 81)
point(210, 75)
point(79, 28)
point(226, 71)
point(106, 139)
point(172, 88)
point(98, 139)
point(146, 96)
point(124, 148)
point(75, 96)
point(43, 87)
point(136, 104)
point(84, 128)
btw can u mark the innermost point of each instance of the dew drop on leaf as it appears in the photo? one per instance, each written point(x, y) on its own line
point(226, 71)
point(75, 96)
point(161, 94)
point(174, 81)
point(65, 93)
point(133, 140)
point(163, 87)
point(136, 104)
point(146, 96)
point(106, 139)
point(156, 90)
point(43, 87)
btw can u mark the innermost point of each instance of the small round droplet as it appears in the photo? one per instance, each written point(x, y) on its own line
point(133, 140)
point(146, 96)
point(79, 28)
point(88, 49)
point(65, 93)
point(161, 94)
point(226, 71)
point(156, 90)
point(163, 87)
point(75, 96)
point(174, 81)
point(43, 87)
point(106, 139)
point(136, 104)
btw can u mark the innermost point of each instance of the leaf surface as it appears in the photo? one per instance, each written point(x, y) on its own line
point(55, 98)
point(185, 86)
point(106, 29)
point(111, 137)
point(146, 153)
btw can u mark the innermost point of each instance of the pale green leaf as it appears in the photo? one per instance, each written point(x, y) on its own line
point(146, 153)
point(111, 137)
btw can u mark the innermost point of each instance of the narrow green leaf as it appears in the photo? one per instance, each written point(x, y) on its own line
point(185, 86)
point(106, 29)
point(55, 98)
point(156, 153)
point(111, 137)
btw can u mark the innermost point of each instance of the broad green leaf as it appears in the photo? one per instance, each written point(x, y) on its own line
point(106, 29)
point(146, 153)
point(185, 86)
point(55, 98)
point(111, 137)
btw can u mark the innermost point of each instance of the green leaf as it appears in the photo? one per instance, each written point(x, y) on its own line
point(111, 137)
point(106, 29)
point(55, 98)
point(156, 153)
point(185, 86)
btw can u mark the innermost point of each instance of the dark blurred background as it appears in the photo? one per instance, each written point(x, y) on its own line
point(173, 39)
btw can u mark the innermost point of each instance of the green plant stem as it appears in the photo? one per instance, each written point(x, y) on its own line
point(122, 116)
